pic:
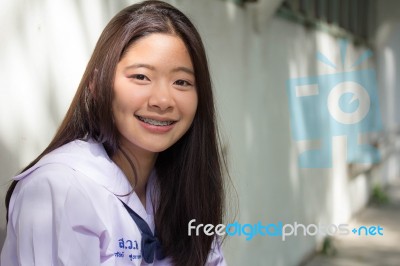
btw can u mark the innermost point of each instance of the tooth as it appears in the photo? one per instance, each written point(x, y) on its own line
point(155, 122)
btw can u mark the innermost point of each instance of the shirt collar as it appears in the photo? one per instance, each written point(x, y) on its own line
point(90, 159)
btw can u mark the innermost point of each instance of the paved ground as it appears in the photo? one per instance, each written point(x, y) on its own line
point(369, 250)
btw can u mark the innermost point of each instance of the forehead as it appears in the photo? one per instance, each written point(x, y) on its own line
point(158, 48)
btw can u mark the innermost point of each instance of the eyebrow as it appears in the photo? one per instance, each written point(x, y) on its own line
point(177, 69)
point(184, 69)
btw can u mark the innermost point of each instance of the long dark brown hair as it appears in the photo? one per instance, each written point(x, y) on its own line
point(190, 181)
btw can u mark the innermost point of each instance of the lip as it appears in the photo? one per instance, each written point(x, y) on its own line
point(156, 129)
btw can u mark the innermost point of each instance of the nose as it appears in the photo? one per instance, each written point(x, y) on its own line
point(161, 97)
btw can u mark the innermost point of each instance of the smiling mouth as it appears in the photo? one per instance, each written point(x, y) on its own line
point(155, 122)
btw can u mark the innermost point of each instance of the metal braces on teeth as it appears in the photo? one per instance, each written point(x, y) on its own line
point(155, 122)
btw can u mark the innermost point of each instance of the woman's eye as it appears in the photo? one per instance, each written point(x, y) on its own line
point(139, 77)
point(182, 83)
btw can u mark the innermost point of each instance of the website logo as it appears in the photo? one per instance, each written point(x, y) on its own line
point(344, 103)
point(279, 229)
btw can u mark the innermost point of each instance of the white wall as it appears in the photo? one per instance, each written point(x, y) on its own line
point(251, 65)
point(387, 42)
point(45, 46)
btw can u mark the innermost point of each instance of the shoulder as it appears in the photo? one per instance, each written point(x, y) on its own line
point(50, 189)
point(51, 212)
point(59, 168)
point(55, 176)
point(55, 194)
point(215, 256)
point(44, 186)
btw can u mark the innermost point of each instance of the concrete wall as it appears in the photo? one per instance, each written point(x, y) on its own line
point(46, 44)
point(387, 42)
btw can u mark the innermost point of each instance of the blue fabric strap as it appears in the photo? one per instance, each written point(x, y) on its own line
point(150, 244)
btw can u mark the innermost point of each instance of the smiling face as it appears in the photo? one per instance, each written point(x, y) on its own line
point(155, 98)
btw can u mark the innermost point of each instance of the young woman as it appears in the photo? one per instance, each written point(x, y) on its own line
point(134, 160)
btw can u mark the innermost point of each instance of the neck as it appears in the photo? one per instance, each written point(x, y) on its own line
point(143, 162)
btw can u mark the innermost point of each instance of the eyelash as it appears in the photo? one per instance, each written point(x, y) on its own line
point(186, 83)
point(142, 77)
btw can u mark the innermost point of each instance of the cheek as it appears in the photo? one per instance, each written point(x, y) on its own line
point(120, 110)
point(190, 106)
point(123, 101)
point(117, 107)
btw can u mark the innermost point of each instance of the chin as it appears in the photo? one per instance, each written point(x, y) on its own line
point(157, 148)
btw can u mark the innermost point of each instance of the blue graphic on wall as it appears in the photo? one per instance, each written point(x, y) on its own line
point(341, 104)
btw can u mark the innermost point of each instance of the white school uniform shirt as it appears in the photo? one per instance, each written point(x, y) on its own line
point(65, 211)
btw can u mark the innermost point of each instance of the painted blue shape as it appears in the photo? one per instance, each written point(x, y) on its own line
point(323, 59)
point(362, 58)
point(348, 103)
point(311, 120)
point(343, 51)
